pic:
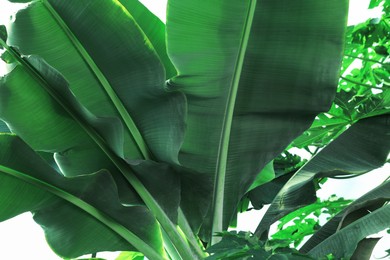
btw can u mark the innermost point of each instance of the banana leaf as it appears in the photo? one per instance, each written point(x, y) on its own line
point(360, 207)
point(364, 249)
point(111, 68)
point(344, 242)
point(255, 74)
point(73, 212)
point(362, 148)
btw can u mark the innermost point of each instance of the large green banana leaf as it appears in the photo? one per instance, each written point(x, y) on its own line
point(79, 215)
point(363, 147)
point(111, 67)
point(359, 208)
point(255, 74)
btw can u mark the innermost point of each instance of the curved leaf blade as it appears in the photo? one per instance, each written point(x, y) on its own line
point(344, 242)
point(125, 80)
point(364, 203)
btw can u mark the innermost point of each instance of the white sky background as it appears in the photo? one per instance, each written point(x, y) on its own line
point(21, 238)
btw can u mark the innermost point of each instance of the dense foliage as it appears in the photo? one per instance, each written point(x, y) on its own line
point(123, 134)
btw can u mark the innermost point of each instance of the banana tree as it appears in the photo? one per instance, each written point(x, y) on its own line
point(125, 134)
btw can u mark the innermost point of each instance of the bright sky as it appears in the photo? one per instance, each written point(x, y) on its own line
point(21, 238)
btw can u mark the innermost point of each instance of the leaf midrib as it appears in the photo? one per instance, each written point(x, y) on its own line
point(221, 164)
point(129, 122)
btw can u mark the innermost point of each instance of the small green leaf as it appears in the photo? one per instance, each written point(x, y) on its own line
point(7, 57)
point(374, 3)
point(3, 33)
point(266, 175)
point(130, 256)
point(233, 245)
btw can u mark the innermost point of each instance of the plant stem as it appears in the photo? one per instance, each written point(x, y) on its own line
point(177, 239)
point(169, 247)
point(185, 227)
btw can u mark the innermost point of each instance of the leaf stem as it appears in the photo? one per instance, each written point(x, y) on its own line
point(365, 59)
point(169, 247)
point(360, 84)
point(221, 166)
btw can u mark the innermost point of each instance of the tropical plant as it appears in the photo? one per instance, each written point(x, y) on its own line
point(123, 134)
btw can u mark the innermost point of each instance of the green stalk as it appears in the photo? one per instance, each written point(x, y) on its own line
point(191, 238)
point(169, 247)
point(180, 243)
point(223, 148)
point(97, 214)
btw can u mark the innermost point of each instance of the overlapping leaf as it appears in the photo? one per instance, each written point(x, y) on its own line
point(344, 242)
point(38, 106)
point(363, 147)
point(80, 215)
point(359, 208)
point(154, 29)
